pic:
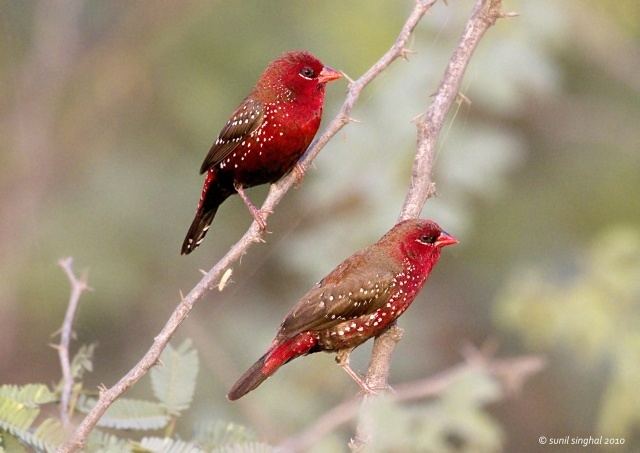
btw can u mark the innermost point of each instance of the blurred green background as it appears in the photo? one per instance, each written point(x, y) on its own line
point(108, 108)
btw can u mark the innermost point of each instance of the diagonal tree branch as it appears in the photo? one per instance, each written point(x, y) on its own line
point(78, 286)
point(422, 187)
point(511, 373)
point(253, 235)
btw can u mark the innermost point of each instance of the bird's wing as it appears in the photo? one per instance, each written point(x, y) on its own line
point(328, 304)
point(247, 118)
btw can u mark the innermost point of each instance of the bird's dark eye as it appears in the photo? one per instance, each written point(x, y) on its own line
point(307, 72)
point(428, 239)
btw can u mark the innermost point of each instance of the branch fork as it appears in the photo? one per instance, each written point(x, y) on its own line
point(78, 286)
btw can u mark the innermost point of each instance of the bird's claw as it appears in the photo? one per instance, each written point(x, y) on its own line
point(404, 53)
point(298, 171)
point(366, 390)
point(259, 215)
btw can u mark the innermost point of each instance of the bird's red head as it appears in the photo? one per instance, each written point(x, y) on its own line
point(296, 74)
point(419, 240)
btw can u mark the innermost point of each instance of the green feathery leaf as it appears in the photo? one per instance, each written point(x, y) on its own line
point(100, 442)
point(248, 447)
point(83, 361)
point(165, 445)
point(16, 417)
point(174, 380)
point(31, 395)
point(127, 413)
point(9, 444)
point(216, 433)
point(47, 437)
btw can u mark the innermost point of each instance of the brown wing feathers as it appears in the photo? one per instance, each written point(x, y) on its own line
point(247, 118)
point(329, 304)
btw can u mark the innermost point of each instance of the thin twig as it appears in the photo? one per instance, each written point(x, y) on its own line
point(422, 187)
point(484, 15)
point(253, 235)
point(511, 373)
point(78, 286)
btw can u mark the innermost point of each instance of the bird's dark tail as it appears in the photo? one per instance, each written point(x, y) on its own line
point(251, 378)
point(278, 355)
point(197, 230)
point(213, 194)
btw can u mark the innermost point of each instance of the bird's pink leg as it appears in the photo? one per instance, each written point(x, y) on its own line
point(257, 214)
point(342, 357)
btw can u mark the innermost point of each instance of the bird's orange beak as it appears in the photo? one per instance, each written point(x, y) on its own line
point(445, 239)
point(328, 74)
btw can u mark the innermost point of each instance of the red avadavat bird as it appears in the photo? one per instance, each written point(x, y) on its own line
point(264, 138)
point(358, 300)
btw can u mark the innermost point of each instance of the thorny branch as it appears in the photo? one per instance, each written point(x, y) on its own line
point(253, 235)
point(78, 286)
point(511, 373)
point(485, 14)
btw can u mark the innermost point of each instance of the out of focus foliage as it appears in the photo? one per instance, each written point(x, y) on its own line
point(19, 408)
point(593, 316)
point(107, 108)
point(455, 422)
point(173, 383)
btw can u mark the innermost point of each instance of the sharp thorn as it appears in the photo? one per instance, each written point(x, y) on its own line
point(462, 99)
point(349, 79)
point(404, 53)
point(417, 118)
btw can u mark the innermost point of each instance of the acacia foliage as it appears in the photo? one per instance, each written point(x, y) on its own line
point(133, 424)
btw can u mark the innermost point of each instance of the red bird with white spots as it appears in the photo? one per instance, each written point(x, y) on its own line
point(358, 300)
point(264, 138)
